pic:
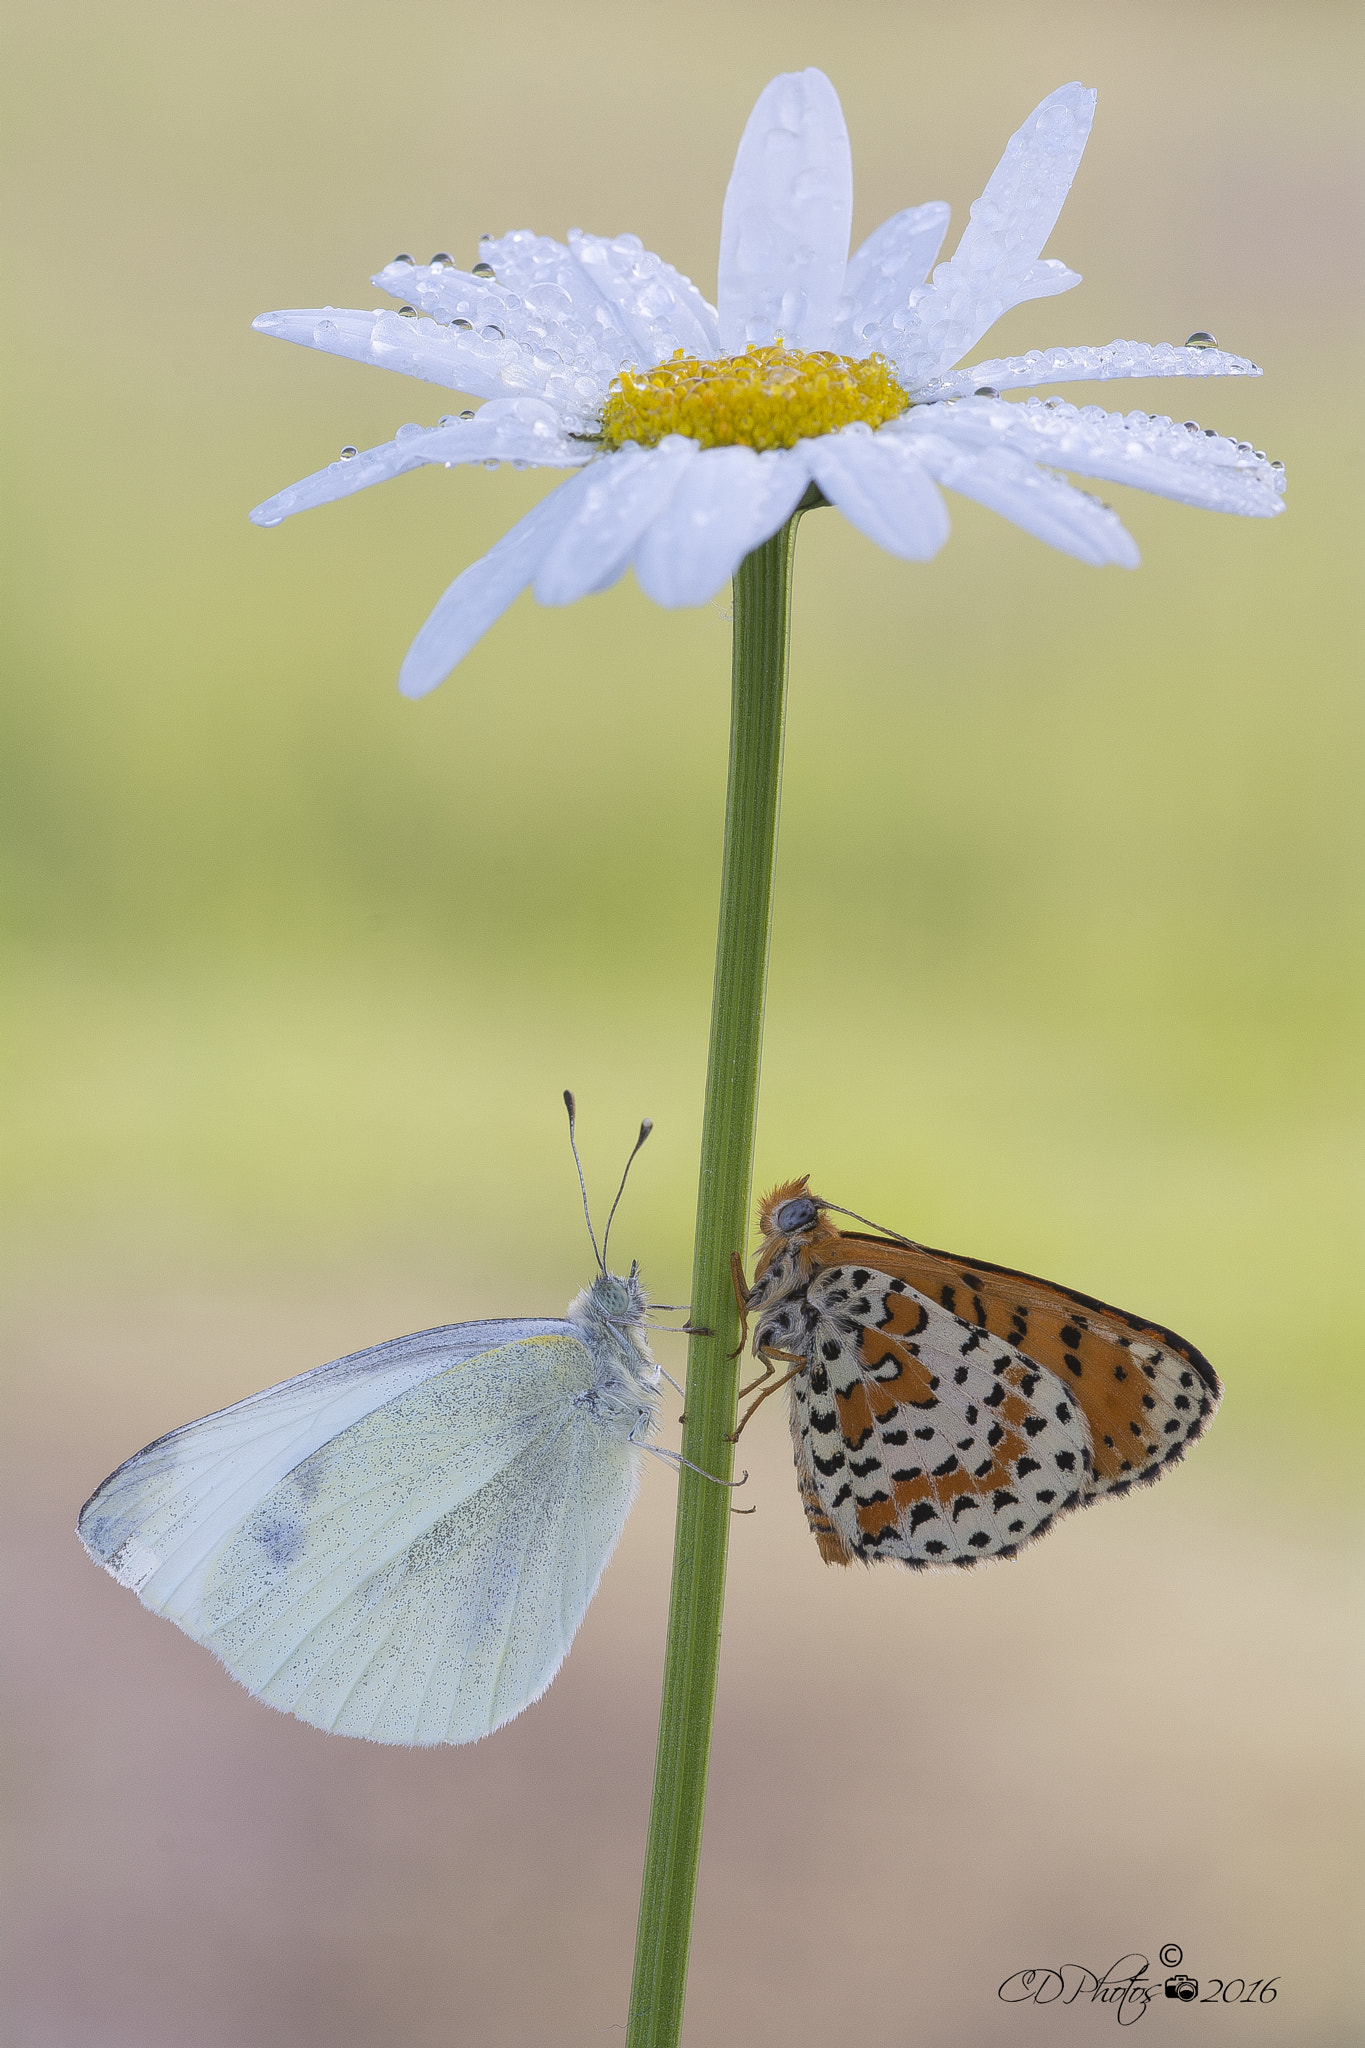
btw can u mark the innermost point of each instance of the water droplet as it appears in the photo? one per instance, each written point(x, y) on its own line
point(485, 238)
point(493, 334)
point(1277, 465)
point(446, 419)
point(349, 454)
point(520, 462)
point(1258, 454)
point(407, 312)
point(401, 259)
point(1200, 340)
point(1191, 426)
point(491, 462)
point(468, 413)
point(442, 259)
point(1212, 433)
point(985, 391)
point(468, 325)
point(1244, 448)
point(482, 270)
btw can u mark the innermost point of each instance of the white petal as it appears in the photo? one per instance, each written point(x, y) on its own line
point(1188, 463)
point(621, 495)
point(1082, 365)
point(879, 484)
point(341, 479)
point(785, 223)
point(551, 281)
point(553, 285)
point(660, 309)
point(996, 265)
point(483, 592)
point(882, 274)
point(1043, 505)
point(418, 348)
point(569, 351)
point(728, 502)
point(521, 430)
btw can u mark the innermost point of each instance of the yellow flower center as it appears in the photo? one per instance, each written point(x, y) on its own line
point(766, 398)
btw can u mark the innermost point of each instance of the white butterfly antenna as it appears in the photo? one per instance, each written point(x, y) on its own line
point(646, 1126)
point(572, 1108)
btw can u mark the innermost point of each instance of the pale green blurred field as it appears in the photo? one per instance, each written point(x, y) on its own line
point(1067, 947)
point(1066, 974)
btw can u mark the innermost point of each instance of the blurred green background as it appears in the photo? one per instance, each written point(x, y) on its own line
point(295, 970)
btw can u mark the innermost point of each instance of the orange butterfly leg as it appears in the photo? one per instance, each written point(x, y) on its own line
point(742, 1297)
point(798, 1365)
point(766, 1374)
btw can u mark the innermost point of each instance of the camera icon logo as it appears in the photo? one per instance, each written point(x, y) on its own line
point(1186, 1989)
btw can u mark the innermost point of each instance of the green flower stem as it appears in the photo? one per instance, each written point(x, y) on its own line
point(762, 623)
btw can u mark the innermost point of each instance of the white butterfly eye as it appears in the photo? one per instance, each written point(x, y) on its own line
point(613, 1296)
point(797, 1215)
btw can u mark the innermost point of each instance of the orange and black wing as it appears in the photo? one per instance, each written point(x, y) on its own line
point(918, 1440)
point(1146, 1393)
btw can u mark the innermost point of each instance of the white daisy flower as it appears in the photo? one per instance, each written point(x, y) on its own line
point(697, 430)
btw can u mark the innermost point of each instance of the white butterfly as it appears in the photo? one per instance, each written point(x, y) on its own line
point(401, 1544)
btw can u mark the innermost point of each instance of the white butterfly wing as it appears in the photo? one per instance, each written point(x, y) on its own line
point(175, 1499)
point(399, 1545)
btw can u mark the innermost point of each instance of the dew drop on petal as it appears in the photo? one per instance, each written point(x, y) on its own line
point(348, 454)
point(401, 259)
point(482, 270)
point(407, 312)
point(441, 260)
point(490, 462)
point(1200, 340)
point(467, 325)
point(468, 413)
point(492, 334)
point(985, 391)
point(1277, 465)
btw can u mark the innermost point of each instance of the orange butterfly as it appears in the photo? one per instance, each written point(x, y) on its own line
point(946, 1410)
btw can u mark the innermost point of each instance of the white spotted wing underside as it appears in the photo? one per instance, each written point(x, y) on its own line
point(942, 1445)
